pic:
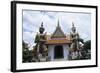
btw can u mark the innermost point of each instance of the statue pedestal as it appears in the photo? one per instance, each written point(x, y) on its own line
point(42, 59)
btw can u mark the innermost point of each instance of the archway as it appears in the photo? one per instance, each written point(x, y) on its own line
point(58, 52)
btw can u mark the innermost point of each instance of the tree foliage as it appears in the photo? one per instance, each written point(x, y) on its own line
point(37, 38)
point(87, 45)
point(25, 51)
point(87, 48)
point(27, 54)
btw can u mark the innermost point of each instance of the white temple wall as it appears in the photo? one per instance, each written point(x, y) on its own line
point(66, 51)
point(51, 51)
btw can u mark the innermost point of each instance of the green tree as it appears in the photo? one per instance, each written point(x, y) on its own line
point(37, 38)
point(25, 51)
point(87, 48)
point(87, 45)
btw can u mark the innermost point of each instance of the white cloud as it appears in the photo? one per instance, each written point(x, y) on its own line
point(33, 19)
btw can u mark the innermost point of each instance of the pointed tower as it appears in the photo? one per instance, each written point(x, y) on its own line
point(58, 33)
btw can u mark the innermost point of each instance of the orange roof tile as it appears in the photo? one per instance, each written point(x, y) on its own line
point(58, 41)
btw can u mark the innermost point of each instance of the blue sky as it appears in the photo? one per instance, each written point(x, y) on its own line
point(32, 21)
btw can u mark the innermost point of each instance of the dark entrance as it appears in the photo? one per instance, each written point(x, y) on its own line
point(58, 52)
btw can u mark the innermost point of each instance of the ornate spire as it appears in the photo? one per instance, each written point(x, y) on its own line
point(42, 24)
point(41, 29)
point(58, 23)
point(73, 27)
point(58, 33)
point(72, 24)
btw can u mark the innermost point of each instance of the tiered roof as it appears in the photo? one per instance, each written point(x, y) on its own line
point(58, 37)
point(58, 33)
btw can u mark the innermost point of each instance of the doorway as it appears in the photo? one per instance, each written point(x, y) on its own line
point(58, 52)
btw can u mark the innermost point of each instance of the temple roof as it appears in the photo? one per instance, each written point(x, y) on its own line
point(53, 41)
point(58, 41)
point(58, 33)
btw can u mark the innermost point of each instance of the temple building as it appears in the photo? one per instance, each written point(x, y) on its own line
point(57, 46)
